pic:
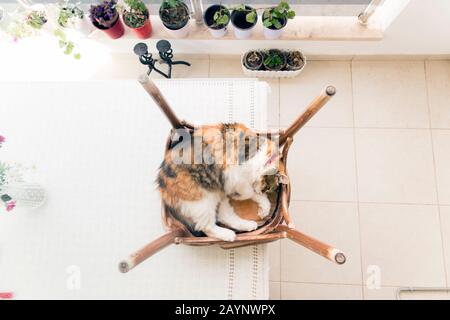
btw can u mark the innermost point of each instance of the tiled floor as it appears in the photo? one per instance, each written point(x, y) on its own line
point(370, 174)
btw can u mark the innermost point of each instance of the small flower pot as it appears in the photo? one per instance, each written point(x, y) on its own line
point(253, 60)
point(208, 17)
point(278, 67)
point(143, 32)
point(295, 60)
point(115, 31)
point(242, 28)
point(179, 28)
point(272, 33)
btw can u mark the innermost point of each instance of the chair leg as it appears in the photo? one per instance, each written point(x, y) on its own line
point(150, 249)
point(315, 245)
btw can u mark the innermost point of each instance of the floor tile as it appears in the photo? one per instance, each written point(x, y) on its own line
point(199, 69)
point(441, 146)
point(404, 242)
point(230, 67)
point(274, 260)
point(391, 293)
point(395, 166)
point(445, 221)
point(333, 223)
point(390, 94)
point(225, 67)
point(322, 165)
point(274, 290)
point(438, 79)
point(307, 291)
point(297, 93)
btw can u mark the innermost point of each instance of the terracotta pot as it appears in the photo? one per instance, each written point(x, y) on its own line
point(115, 31)
point(143, 32)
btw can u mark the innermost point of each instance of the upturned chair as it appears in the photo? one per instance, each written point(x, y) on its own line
point(279, 225)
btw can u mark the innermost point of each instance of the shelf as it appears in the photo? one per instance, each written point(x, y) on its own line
point(300, 28)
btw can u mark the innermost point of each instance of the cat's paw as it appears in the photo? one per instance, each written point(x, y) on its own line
point(247, 226)
point(264, 206)
point(225, 234)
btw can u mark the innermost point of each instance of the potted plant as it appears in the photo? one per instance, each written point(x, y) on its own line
point(136, 17)
point(274, 60)
point(253, 60)
point(275, 19)
point(71, 16)
point(294, 60)
point(243, 18)
point(105, 17)
point(36, 19)
point(216, 18)
point(174, 15)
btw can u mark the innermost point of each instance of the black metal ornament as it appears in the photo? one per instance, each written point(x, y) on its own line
point(165, 54)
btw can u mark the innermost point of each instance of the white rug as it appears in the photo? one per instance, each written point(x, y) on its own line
point(97, 146)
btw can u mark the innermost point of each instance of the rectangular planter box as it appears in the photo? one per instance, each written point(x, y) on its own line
point(272, 74)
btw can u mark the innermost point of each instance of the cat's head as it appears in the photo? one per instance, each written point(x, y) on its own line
point(266, 159)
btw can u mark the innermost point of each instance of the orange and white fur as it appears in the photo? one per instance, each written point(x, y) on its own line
point(199, 192)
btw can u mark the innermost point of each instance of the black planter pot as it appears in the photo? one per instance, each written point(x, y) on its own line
point(183, 11)
point(217, 31)
point(279, 53)
point(272, 33)
point(250, 61)
point(242, 28)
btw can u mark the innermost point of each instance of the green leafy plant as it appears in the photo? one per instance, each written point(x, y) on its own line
point(221, 17)
point(69, 14)
point(67, 45)
point(19, 29)
point(274, 59)
point(275, 17)
point(135, 13)
point(171, 3)
point(36, 19)
point(174, 13)
point(251, 15)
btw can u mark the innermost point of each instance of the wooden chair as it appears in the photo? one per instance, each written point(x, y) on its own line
point(278, 226)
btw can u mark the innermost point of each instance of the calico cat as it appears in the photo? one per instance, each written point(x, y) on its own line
point(206, 167)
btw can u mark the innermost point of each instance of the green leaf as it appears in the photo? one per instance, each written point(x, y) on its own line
point(291, 14)
point(6, 198)
point(284, 5)
point(223, 20)
point(251, 17)
point(69, 48)
point(77, 56)
point(277, 14)
point(277, 24)
point(267, 23)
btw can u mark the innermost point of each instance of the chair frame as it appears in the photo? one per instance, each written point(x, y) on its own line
point(278, 226)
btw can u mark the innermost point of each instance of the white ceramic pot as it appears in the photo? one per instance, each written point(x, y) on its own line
point(179, 33)
point(242, 34)
point(271, 34)
point(237, 17)
point(218, 33)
